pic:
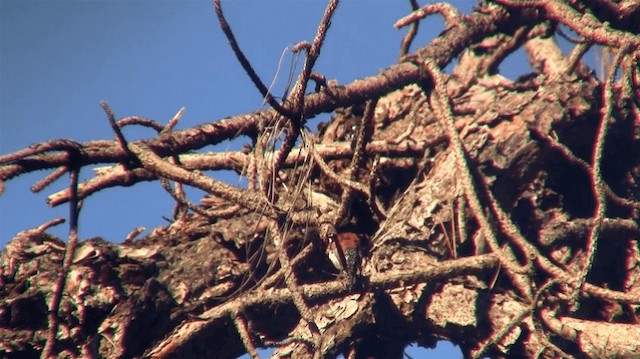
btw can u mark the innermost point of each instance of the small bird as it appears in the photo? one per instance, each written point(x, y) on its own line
point(344, 253)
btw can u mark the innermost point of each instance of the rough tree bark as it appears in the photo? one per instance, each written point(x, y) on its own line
point(500, 215)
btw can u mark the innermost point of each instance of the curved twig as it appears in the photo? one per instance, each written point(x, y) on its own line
point(246, 65)
point(596, 173)
point(450, 14)
point(74, 212)
point(407, 39)
point(443, 111)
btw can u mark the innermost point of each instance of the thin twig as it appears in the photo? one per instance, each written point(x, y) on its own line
point(178, 193)
point(224, 212)
point(36, 149)
point(264, 155)
point(405, 45)
point(122, 142)
point(570, 38)
point(133, 234)
point(246, 65)
point(181, 201)
point(297, 95)
point(243, 331)
point(319, 79)
point(363, 138)
point(373, 199)
point(49, 179)
point(450, 14)
point(174, 120)
point(286, 147)
point(141, 121)
point(576, 55)
point(596, 174)
point(115, 176)
point(54, 222)
point(74, 211)
point(365, 132)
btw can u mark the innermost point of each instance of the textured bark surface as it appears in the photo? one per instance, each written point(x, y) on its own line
point(213, 284)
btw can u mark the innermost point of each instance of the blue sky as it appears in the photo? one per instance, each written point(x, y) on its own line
point(58, 59)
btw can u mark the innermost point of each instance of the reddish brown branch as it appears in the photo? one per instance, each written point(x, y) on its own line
point(49, 179)
point(405, 44)
point(596, 174)
point(74, 211)
point(313, 51)
point(243, 331)
point(246, 65)
point(141, 121)
point(450, 14)
point(174, 121)
point(122, 142)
